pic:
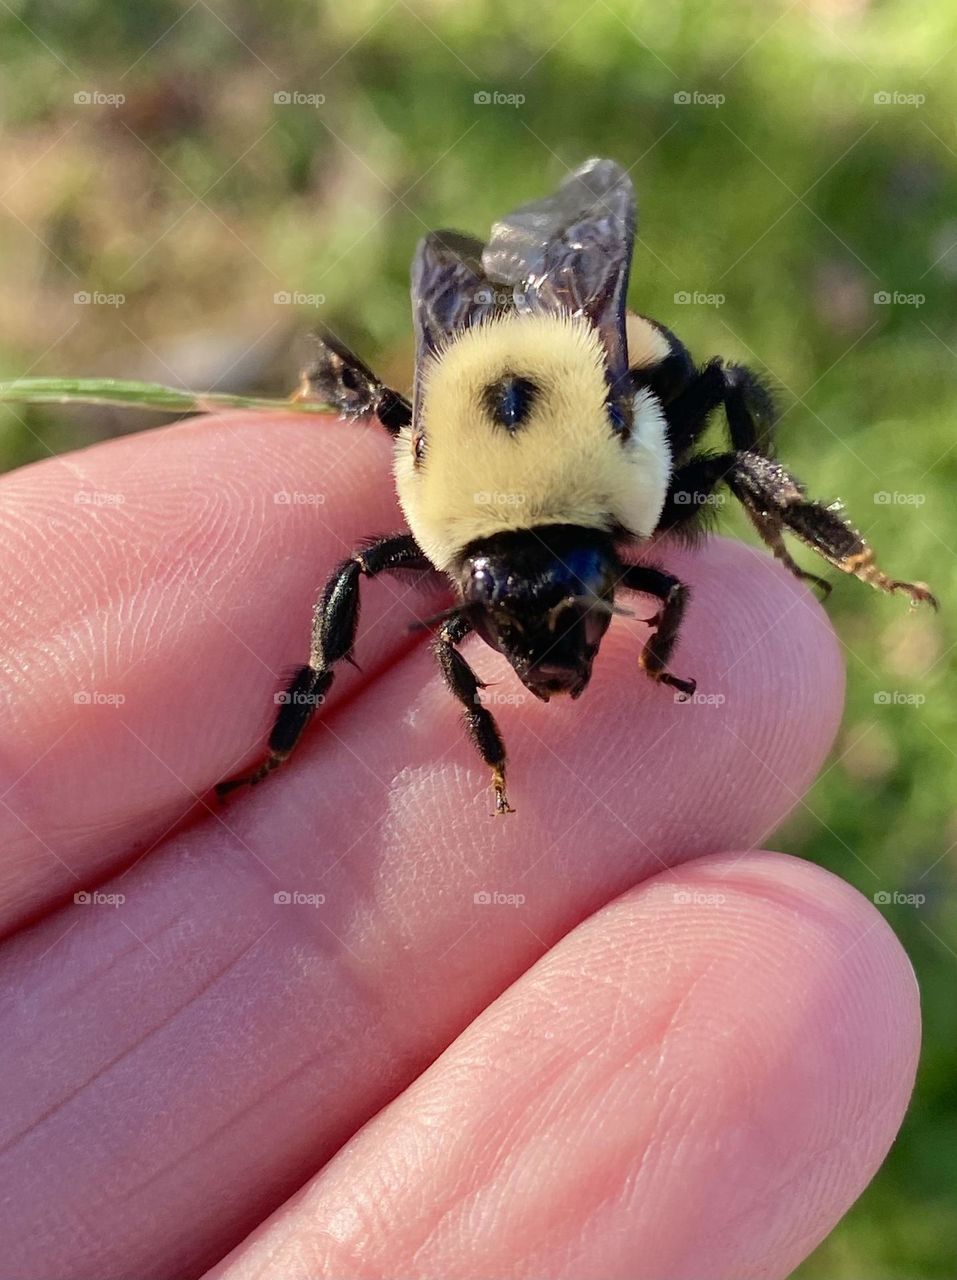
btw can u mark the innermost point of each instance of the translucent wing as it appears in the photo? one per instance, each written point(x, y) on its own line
point(571, 251)
point(450, 291)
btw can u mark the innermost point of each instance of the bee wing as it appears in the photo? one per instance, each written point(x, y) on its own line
point(450, 292)
point(571, 251)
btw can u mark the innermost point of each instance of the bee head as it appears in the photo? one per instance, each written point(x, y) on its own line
point(544, 598)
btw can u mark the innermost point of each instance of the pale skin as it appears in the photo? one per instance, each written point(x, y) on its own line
point(677, 1057)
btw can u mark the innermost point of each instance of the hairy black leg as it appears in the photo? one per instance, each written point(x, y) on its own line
point(776, 502)
point(691, 500)
point(749, 411)
point(688, 413)
point(691, 492)
point(667, 622)
point(768, 527)
point(336, 376)
point(463, 683)
point(335, 619)
point(747, 405)
point(775, 499)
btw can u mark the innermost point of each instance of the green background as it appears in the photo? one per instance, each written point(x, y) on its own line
point(786, 192)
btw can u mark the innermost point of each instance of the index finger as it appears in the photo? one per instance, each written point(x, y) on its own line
point(152, 589)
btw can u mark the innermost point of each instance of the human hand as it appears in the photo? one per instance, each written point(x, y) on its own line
point(666, 1060)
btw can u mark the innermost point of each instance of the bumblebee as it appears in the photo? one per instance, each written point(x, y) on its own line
point(550, 431)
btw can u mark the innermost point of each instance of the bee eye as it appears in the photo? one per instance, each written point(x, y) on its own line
point(509, 401)
point(418, 446)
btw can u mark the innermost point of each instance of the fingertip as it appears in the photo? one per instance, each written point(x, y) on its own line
point(801, 1036)
point(698, 1080)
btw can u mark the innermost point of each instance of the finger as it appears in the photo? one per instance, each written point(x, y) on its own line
point(177, 589)
point(699, 1080)
point(250, 1035)
point(152, 588)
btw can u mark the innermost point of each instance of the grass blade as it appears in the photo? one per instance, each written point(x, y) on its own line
point(142, 395)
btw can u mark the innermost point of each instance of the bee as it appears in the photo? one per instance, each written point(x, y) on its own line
point(550, 431)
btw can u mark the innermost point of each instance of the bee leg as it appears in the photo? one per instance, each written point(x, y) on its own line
point(334, 622)
point(748, 408)
point(667, 622)
point(336, 376)
point(690, 396)
point(463, 683)
point(769, 530)
point(750, 414)
point(776, 501)
point(691, 501)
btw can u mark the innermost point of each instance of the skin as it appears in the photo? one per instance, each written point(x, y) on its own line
point(673, 1058)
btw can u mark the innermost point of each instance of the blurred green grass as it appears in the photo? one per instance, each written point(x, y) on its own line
point(796, 199)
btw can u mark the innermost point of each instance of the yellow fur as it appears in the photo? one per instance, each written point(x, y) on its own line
point(564, 465)
point(647, 346)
